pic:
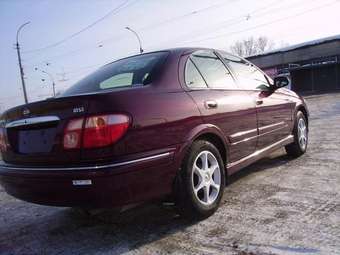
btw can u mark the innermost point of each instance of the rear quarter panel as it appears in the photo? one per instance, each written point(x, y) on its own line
point(160, 120)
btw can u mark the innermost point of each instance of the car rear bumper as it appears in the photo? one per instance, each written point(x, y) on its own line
point(108, 185)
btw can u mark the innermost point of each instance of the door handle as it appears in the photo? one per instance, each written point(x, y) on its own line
point(259, 101)
point(211, 104)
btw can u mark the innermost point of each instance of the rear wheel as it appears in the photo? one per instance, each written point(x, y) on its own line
point(300, 132)
point(201, 181)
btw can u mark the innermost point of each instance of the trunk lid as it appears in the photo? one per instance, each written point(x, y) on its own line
point(35, 131)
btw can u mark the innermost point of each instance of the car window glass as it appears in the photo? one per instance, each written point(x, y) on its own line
point(119, 80)
point(213, 70)
point(193, 78)
point(127, 72)
point(247, 74)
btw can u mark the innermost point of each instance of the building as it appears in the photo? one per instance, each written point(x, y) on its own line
point(312, 66)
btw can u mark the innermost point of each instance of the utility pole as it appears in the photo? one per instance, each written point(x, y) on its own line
point(139, 40)
point(20, 64)
point(51, 78)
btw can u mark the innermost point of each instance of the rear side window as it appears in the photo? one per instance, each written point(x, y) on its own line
point(213, 70)
point(128, 72)
point(193, 78)
point(249, 76)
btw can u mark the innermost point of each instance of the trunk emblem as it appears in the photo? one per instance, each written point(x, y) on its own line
point(78, 110)
point(26, 112)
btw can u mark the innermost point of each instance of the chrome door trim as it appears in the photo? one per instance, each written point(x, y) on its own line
point(245, 140)
point(32, 121)
point(288, 139)
point(243, 133)
point(271, 126)
point(243, 136)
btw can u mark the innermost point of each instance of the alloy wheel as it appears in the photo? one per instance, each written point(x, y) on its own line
point(206, 178)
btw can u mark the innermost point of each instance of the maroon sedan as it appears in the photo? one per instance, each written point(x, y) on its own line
point(174, 122)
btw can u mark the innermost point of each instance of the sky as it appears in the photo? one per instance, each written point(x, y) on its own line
point(70, 39)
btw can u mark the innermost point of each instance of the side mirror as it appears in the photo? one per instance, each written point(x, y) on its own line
point(280, 82)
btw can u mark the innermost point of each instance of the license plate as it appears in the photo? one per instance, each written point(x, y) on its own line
point(36, 141)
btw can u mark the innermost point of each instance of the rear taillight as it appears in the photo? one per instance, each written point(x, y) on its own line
point(104, 130)
point(73, 134)
point(95, 131)
point(3, 140)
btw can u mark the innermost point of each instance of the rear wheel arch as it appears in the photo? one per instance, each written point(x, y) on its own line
point(211, 133)
point(206, 132)
point(215, 140)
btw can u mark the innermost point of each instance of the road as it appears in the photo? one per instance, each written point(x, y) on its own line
point(276, 206)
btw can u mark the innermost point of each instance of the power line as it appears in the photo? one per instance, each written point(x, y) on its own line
point(78, 51)
point(265, 24)
point(75, 52)
point(256, 11)
point(243, 18)
point(236, 20)
point(112, 12)
point(174, 19)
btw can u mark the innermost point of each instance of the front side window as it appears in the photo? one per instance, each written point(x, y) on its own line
point(136, 70)
point(213, 70)
point(248, 75)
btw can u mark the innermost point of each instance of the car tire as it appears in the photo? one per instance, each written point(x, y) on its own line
point(300, 133)
point(200, 182)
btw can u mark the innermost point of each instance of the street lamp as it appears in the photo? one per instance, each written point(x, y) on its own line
point(51, 78)
point(17, 46)
point(139, 40)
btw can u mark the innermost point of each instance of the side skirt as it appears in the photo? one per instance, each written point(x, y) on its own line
point(246, 161)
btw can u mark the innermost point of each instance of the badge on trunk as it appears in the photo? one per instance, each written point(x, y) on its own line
point(78, 110)
point(26, 112)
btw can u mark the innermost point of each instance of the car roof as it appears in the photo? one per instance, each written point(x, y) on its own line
point(176, 51)
point(179, 50)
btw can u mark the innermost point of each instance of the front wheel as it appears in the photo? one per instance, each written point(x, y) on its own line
point(300, 132)
point(201, 181)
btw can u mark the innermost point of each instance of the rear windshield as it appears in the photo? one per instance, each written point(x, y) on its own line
point(136, 70)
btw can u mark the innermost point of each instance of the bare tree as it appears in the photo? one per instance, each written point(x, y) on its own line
point(238, 48)
point(252, 46)
point(264, 44)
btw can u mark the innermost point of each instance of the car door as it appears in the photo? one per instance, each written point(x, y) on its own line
point(221, 103)
point(274, 117)
point(274, 109)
